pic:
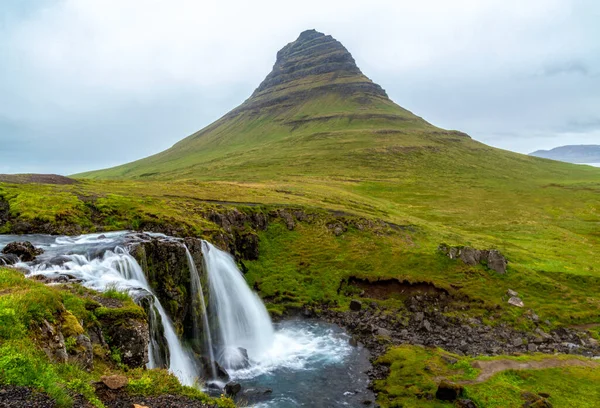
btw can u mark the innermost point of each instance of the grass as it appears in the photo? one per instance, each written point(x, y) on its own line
point(25, 304)
point(416, 371)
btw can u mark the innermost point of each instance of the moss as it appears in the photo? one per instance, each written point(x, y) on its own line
point(70, 325)
point(119, 315)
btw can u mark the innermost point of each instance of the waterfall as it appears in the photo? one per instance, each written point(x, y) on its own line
point(199, 308)
point(118, 269)
point(243, 323)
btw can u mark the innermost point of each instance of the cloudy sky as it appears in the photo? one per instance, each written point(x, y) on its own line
point(86, 84)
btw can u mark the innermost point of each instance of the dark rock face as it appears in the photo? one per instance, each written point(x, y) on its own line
point(24, 250)
point(166, 266)
point(493, 259)
point(448, 391)
point(355, 305)
point(313, 53)
point(131, 337)
point(233, 389)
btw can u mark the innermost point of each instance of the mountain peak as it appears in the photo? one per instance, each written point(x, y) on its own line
point(313, 63)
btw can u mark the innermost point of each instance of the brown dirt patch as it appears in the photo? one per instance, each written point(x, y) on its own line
point(387, 288)
point(492, 367)
point(36, 178)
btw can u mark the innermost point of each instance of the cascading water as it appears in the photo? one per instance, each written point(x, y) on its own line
point(100, 269)
point(243, 323)
point(297, 356)
point(200, 313)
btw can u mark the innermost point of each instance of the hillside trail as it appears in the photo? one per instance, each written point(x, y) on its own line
point(492, 367)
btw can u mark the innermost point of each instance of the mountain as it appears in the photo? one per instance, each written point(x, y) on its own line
point(315, 115)
point(572, 153)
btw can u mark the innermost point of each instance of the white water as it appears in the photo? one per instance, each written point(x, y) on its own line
point(116, 269)
point(241, 317)
point(199, 306)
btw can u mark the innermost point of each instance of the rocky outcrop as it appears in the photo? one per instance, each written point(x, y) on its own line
point(165, 264)
point(491, 258)
point(24, 250)
point(424, 322)
point(131, 338)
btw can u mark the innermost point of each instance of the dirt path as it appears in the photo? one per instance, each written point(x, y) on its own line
point(491, 367)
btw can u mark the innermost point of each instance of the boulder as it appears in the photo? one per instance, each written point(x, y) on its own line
point(515, 301)
point(232, 388)
point(8, 259)
point(24, 250)
point(448, 391)
point(115, 382)
point(491, 258)
point(355, 305)
point(511, 293)
point(131, 337)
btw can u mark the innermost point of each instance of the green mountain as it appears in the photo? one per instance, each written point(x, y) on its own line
point(316, 114)
point(572, 153)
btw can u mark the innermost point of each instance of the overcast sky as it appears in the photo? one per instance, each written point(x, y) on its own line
point(86, 84)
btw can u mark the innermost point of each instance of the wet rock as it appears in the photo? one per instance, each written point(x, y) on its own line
point(222, 374)
point(448, 391)
point(515, 301)
point(24, 250)
point(232, 389)
point(355, 305)
point(353, 341)
point(8, 259)
point(115, 382)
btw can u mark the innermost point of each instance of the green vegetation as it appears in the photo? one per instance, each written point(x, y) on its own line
point(24, 306)
point(415, 373)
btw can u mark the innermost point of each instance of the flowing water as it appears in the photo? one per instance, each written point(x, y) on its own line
point(243, 327)
point(293, 363)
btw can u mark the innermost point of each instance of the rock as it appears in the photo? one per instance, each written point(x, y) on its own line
point(532, 348)
point(24, 250)
point(515, 301)
point(544, 395)
point(139, 406)
point(131, 337)
point(222, 374)
point(8, 259)
point(517, 342)
point(535, 401)
point(384, 332)
point(497, 262)
point(426, 325)
point(355, 305)
point(115, 382)
point(492, 258)
point(353, 341)
point(449, 359)
point(419, 316)
point(465, 403)
point(512, 293)
point(448, 391)
point(84, 352)
point(232, 388)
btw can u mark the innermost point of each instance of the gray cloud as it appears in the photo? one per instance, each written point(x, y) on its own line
point(84, 86)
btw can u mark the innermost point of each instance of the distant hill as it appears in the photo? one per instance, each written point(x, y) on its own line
point(572, 153)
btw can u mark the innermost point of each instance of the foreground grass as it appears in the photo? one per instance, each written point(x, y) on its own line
point(415, 373)
point(25, 304)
